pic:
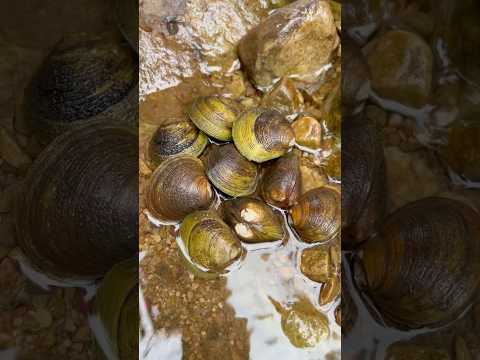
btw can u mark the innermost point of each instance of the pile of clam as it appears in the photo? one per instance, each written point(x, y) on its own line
point(232, 179)
point(415, 261)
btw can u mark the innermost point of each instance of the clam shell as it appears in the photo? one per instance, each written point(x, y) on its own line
point(209, 241)
point(84, 80)
point(422, 267)
point(178, 187)
point(180, 138)
point(229, 171)
point(316, 215)
point(262, 135)
point(77, 214)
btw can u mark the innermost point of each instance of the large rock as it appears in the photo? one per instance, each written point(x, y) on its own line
point(401, 67)
point(295, 41)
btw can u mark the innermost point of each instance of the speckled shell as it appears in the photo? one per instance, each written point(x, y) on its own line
point(316, 216)
point(229, 171)
point(85, 80)
point(262, 135)
point(214, 115)
point(178, 187)
point(209, 241)
point(77, 214)
point(180, 138)
point(422, 267)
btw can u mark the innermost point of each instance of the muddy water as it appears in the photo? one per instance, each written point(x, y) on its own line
point(192, 317)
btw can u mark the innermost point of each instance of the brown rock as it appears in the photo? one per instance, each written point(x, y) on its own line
point(308, 132)
point(284, 97)
point(294, 41)
point(401, 67)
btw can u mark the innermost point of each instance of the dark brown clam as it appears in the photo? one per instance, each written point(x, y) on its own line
point(78, 212)
point(422, 268)
point(85, 80)
point(178, 187)
point(281, 182)
point(363, 181)
point(316, 215)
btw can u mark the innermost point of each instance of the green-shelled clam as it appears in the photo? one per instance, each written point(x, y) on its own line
point(209, 241)
point(262, 135)
point(214, 115)
point(116, 307)
point(253, 221)
point(229, 171)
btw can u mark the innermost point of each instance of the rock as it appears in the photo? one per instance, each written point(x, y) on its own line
point(425, 176)
point(308, 132)
point(401, 67)
point(284, 97)
point(43, 317)
point(295, 41)
point(11, 152)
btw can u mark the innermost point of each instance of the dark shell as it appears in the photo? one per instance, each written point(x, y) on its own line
point(363, 180)
point(84, 80)
point(281, 182)
point(422, 268)
point(178, 187)
point(179, 138)
point(229, 171)
point(78, 213)
point(126, 12)
point(316, 215)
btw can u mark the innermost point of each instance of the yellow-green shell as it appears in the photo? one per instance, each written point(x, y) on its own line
point(262, 135)
point(214, 115)
point(229, 171)
point(209, 241)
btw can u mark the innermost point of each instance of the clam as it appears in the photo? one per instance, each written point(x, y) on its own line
point(180, 138)
point(210, 242)
point(262, 135)
point(77, 214)
point(178, 187)
point(363, 182)
point(229, 171)
point(422, 268)
point(316, 215)
point(85, 80)
point(348, 307)
point(214, 115)
point(253, 221)
point(281, 182)
point(116, 306)
point(316, 263)
point(302, 323)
